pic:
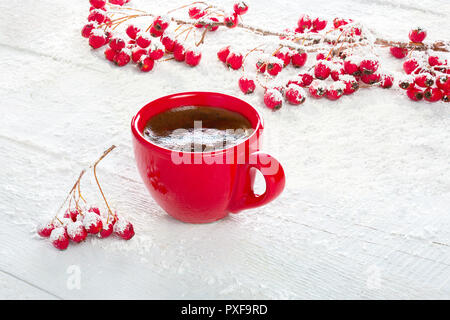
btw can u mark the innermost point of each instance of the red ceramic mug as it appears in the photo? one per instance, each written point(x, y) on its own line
point(201, 187)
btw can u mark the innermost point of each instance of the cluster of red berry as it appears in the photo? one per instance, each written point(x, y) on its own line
point(427, 76)
point(79, 220)
point(77, 223)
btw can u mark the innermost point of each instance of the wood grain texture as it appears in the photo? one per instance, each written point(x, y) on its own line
point(365, 213)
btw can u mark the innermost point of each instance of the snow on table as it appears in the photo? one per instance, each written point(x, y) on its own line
point(365, 212)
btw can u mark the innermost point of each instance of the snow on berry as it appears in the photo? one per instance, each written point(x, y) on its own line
point(368, 65)
point(45, 229)
point(298, 58)
point(159, 25)
point(168, 42)
point(274, 65)
point(322, 69)
point(156, 50)
point(92, 222)
point(317, 89)
point(124, 229)
point(97, 38)
point(210, 24)
point(337, 69)
point(123, 57)
point(137, 53)
point(284, 54)
point(386, 81)
point(97, 15)
point(417, 35)
point(273, 99)
point(351, 65)
point(335, 90)
point(435, 61)
point(240, 8)
point(143, 40)
point(72, 214)
point(351, 84)
point(247, 84)
point(179, 52)
point(231, 20)
point(304, 22)
point(234, 60)
point(193, 56)
point(76, 231)
point(295, 94)
point(398, 52)
point(410, 65)
point(107, 228)
point(132, 31)
point(223, 53)
point(59, 238)
point(117, 43)
point(87, 29)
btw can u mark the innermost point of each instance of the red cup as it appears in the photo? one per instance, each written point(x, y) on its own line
point(201, 187)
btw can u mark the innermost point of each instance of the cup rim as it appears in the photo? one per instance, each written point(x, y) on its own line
point(140, 137)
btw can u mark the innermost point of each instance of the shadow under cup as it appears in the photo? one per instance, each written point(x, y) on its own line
point(201, 187)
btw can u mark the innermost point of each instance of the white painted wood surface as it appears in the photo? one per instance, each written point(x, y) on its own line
point(365, 213)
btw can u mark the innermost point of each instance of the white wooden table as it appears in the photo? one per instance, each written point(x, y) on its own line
point(365, 212)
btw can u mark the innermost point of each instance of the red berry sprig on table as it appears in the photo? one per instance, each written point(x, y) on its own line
point(79, 221)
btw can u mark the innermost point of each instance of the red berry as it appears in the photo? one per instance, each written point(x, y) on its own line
point(122, 57)
point(295, 94)
point(274, 66)
point(117, 44)
point(97, 39)
point(261, 66)
point(76, 231)
point(335, 90)
point(351, 84)
point(368, 66)
point(110, 54)
point(97, 15)
point(299, 58)
point(433, 94)
point(44, 230)
point(59, 238)
point(124, 229)
point(337, 22)
point(417, 35)
point(234, 60)
point(94, 210)
point(87, 29)
point(307, 79)
point(322, 70)
point(321, 56)
point(159, 26)
point(231, 21)
point(143, 40)
point(92, 222)
point(193, 57)
point(146, 64)
point(223, 54)
point(137, 53)
point(317, 89)
point(132, 31)
point(415, 94)
point(435, 61)
point(273, 99)
point(399, 52)
point(168, 42)
point(97, 3)
point(443, 82)
point(424, 80)
point(107, 228)
point(71, 214)
point(318, 24)
point(196, 13)
point(386, 81)
point(118, 2)
point(337, 69)
point(179, 53)
point(410, 65)
point(240, 8)
point(351, 65)
point(406, 82)
point(304, 22)
point(156, 51)
point(371, 78)
point(284, 54)
point(247, 85)
point(212, 27)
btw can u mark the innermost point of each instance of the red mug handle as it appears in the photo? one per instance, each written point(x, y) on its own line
point(243, 196)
